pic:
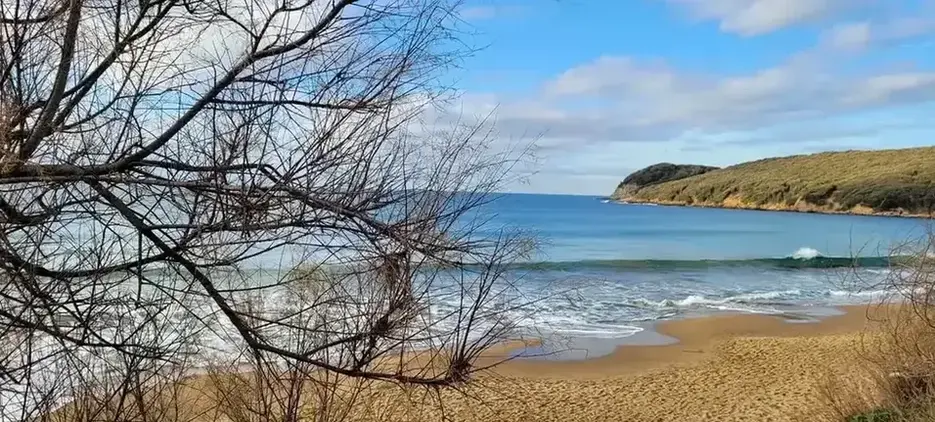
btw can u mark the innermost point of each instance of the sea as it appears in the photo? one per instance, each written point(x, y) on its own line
point(611, 270)
point(605, 273)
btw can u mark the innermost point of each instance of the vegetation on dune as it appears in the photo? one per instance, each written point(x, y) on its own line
point(873, 416)
point(889, 181)
point(895, 381)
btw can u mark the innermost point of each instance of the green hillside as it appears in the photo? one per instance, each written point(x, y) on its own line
point(887, 182)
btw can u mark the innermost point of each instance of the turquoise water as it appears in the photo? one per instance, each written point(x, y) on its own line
point(604, 268)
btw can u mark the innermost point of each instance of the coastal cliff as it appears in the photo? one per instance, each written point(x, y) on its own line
point(884, 182)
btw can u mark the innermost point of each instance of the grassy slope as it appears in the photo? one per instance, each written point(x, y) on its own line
point(889, 181)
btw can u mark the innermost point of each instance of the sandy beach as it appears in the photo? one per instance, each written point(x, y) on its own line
point(728, 367)
point(731, 367)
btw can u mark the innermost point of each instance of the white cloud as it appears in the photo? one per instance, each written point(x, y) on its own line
point(857, 36)
point(851, 36)
point(621, 99)
point(755, 17)
point(890, 88)
point(621, 112)
point(602, 77)
point(906, 28)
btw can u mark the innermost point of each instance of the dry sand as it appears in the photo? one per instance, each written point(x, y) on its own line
point(731, 367)
point(724, 368)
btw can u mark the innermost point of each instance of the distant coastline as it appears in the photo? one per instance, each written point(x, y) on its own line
point(862, 212)
point(886, 183)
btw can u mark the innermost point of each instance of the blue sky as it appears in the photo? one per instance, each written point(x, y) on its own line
point(607, 87)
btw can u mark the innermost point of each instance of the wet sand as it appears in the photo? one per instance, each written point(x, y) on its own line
point(694, 339)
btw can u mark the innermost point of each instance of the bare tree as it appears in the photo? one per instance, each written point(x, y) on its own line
point(896, 376)
point(174, 173)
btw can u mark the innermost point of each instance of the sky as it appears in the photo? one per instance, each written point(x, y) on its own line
point(606, 87)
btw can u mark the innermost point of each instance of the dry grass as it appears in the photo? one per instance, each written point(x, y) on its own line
point(896, 383)
point(887, 181)
point(259, 395)
point(264, 391)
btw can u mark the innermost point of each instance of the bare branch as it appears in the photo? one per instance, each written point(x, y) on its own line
point(192, 185)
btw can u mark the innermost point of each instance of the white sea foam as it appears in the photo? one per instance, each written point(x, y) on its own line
point(806, 253)
point(599, 331)
point(702, 301)
point(860, 294)
point(615, 304)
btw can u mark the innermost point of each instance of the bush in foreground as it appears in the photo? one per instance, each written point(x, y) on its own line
point(897, 382)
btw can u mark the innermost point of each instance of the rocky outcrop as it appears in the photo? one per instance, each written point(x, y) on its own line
point(656, 174)
point(624, 191)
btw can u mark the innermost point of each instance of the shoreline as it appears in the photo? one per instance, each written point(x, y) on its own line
point(729, 367)
point(690, 340)
point(559, 348)
point(724, 367)
point(768, 208)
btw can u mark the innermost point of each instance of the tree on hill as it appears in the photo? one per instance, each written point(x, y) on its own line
point(664, 172)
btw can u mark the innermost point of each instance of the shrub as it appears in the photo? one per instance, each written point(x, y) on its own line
point(898, 381)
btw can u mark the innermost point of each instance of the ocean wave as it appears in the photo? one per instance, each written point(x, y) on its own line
point(806, 253)
point(617, 315)
point(702, 302)
point(860, 294)
point(755, 299)
point(760, 302)
point(790, 263)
